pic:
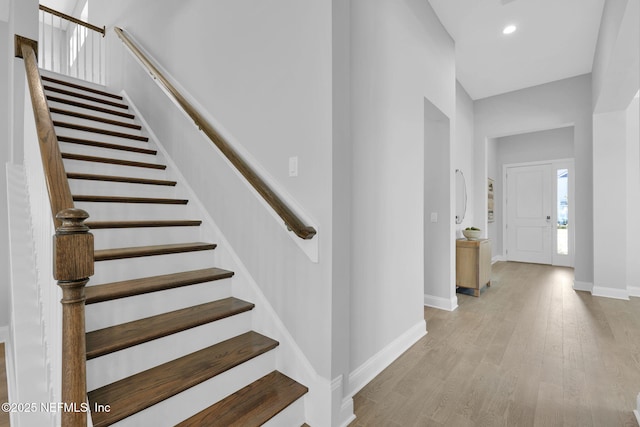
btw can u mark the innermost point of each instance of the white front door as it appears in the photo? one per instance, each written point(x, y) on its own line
point(529, 213)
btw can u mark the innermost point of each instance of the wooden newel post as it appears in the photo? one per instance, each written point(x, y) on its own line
point(72, 267)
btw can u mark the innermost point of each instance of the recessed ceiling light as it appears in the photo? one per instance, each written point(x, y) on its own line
point(509, 29)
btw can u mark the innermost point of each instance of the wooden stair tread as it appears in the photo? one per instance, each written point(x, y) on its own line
point(128, 288)
point(127, 179)
point(85, 97)
point(108, 145)
point(252, 405)
point(76, 86)
point(140, 391)
point(96, 159)
point(94, 118)
point(89, 107)
point(84, 128)
point(119, 337)
point(128, 199)
point(100, 225)
point(141, 251)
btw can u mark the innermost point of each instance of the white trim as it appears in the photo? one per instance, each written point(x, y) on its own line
point(4, 334)
point(346, 412)
point(345, 415)
point(603, 291)
point(498, 258)
point(582, 286)
point(441, 303)
point(634, 291)
point(636, 412)
point(382, 359)
point(309, 246)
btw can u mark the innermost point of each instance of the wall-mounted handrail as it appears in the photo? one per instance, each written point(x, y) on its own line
point(292, 221)
point(95, 28)
point(73, 260)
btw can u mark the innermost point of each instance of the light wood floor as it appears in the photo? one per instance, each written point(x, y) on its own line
point(529, 352)
point(4, 396)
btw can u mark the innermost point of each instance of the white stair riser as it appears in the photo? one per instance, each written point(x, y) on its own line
point(69, 107)
point(197, 398)
point(121, 364)
point(80, 92)
point(136, 211)
point(128, 237)
point(109, 313)
point(82, 166)
point(135, 268)
point(95, 136)
point(88, 150)
point(292, 415)
point(96, 124)
point(89, 102)
point(74, 81)
point(111, 188)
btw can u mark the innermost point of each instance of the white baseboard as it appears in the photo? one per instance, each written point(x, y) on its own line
point(343, 416)
point(379, 361)
point(634, 291)
point(347, 416)
point(441, 303)
point(603, 291)
point(4, 334)
point(498, 258)
point(582, 286)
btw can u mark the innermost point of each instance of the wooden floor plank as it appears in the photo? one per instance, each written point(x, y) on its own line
point(532, 351)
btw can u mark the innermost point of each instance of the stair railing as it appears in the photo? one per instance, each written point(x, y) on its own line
point(72, 246)
point(71, 46)
point(290, 218)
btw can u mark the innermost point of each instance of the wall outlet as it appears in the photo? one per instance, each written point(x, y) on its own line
point(434, 216)
point(293, 166)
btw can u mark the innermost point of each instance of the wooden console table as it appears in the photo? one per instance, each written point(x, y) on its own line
point(473, 264)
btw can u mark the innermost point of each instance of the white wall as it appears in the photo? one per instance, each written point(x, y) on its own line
point(616, 81)
point(341, 160)
point(549, 106)
point(633, 196)
point(264, 73)
point(439, 284)
point(22, 19)
point(4, 158)
point(463, 152)
point(610, 203)
point(400, 55)
point(616, 61)
point(527, 147)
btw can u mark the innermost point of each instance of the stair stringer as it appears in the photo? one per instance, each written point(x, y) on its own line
point(290, 359)
point(29, 374)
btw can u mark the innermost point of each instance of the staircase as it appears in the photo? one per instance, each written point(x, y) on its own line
point(167, 343)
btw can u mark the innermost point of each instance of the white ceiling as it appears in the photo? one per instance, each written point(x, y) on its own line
point(555, 39)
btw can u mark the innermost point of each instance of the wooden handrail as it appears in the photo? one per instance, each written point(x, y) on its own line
point(291, 220)
point(56, 178)
point(95, 28)
point(73, 258)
